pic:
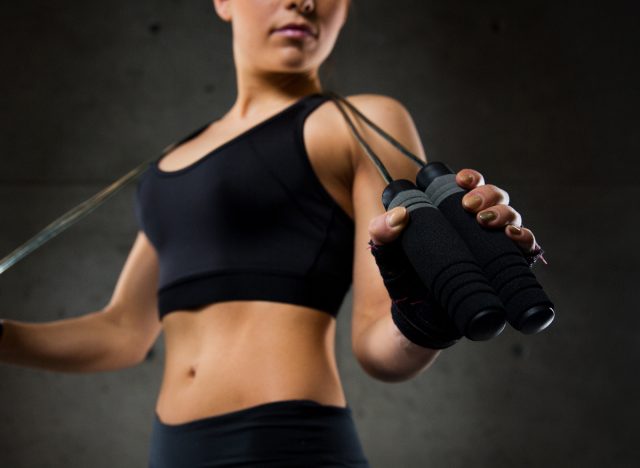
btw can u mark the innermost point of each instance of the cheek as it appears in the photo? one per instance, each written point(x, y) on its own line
point(331, 32)
point(251, 20)
point(249, 36)
point(334, 14)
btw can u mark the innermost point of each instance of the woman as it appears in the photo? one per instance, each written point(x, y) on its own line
point(245, 251)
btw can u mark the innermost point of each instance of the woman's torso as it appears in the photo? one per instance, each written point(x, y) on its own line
point(235, 354)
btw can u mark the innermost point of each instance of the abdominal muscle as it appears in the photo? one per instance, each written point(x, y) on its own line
point(233, 355)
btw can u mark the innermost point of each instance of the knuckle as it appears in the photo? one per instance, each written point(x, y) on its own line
point(505, 196)
point(530, 235)
point(510, 210)
point(487, 192)
point(508, 215)
point(372, 225)
point(495, 191)
point(517, 219)
point(376, 225)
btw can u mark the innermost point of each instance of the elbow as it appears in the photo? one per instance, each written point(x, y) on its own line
point(387, 375)
point(142, 357)
point(395, 371)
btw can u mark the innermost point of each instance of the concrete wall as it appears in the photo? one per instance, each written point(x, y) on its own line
point(540, 96)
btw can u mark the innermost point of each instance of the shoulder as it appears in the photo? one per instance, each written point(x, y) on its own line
point(394, 118)
point(378, 108)
point(374, 106)
point(337, 156)
point(385, 111)
point(379, 104)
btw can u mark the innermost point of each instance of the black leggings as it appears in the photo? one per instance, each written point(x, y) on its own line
point(283, 434)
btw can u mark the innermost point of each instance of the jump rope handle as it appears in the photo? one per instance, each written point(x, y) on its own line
point(529, 309)
point(447, 247)
point(445, 265)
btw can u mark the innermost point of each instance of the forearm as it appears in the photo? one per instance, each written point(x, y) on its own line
point(387, 355)
point(89, 343)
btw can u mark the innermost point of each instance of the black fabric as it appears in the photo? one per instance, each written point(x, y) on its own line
point(282, 434)
point(249, 220)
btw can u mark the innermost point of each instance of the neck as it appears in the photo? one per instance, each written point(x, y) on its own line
point(261, 93)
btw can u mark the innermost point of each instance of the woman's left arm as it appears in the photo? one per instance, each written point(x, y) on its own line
point(380, 348)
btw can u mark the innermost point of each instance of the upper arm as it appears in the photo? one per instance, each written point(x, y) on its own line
point(370, 298)
point(133, 305)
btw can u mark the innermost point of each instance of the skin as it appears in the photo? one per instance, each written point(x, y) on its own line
point(236, 354)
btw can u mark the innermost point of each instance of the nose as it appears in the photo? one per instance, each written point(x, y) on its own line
point(303, 6)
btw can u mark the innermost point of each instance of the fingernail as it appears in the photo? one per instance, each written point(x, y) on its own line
point(468, 179)
point(472, 202)
point(395, 217)
point(487, 216)
point(515, 230)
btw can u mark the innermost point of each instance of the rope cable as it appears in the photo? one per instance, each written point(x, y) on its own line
point(374, 158)
point(391, 140)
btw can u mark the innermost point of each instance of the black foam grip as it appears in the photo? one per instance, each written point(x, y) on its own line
point(446, 266)
point(502, 261)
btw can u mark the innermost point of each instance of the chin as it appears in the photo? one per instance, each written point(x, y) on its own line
point(295, 61)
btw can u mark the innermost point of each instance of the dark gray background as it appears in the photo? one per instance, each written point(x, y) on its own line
point(540, 96)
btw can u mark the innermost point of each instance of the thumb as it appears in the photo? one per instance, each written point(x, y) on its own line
point(387, 227)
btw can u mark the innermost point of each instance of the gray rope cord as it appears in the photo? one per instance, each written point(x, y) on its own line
point(374, 158)
point(395, 143)
point(68, 219)
point(77, 213)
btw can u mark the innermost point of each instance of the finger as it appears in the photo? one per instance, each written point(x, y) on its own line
point(469, 179)
point(498, 216)
point(387, 227)
point(522, 236)
point(486, 196)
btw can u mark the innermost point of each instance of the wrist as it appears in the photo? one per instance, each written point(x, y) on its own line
point(420, 332)
point(387, 355)
point(409, 347)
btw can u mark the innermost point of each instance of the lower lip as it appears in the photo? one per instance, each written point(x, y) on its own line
point(296, 33)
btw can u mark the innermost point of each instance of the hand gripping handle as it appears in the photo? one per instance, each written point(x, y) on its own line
point(445, 265)
point(528, 307)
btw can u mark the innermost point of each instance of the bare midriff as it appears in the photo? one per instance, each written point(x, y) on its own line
point(234, 355)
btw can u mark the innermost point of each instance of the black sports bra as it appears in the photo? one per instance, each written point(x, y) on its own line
point(248, 221)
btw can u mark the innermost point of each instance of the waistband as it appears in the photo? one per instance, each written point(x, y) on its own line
point(281, 409)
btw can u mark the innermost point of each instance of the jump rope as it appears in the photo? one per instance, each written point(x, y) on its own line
point(479, 276)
